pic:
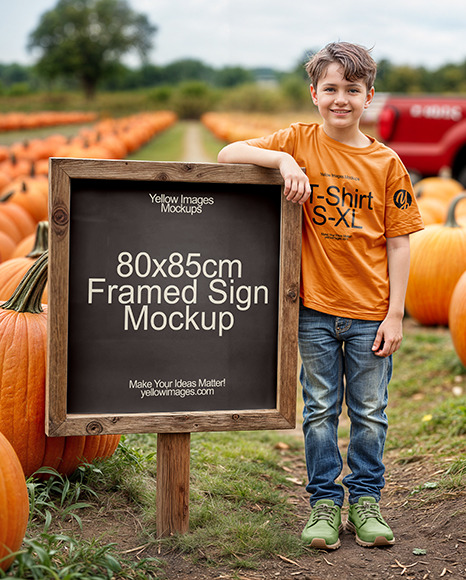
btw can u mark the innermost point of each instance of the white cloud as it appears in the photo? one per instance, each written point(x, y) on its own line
point(275, 32)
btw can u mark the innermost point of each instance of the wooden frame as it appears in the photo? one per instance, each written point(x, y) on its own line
point(59, 421)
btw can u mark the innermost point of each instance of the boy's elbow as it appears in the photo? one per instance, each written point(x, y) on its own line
point(222, 157)
point(232, 153)
point(226, 155)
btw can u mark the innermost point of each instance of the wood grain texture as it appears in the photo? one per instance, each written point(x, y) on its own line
point(172, 494)
point(57, 322)
point(58, 421)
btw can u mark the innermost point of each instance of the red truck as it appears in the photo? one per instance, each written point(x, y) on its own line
point(427, 132)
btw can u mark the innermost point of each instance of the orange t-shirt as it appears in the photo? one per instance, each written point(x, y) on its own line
point(359, 197)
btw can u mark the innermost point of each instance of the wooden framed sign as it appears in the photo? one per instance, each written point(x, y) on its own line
point(173, 298)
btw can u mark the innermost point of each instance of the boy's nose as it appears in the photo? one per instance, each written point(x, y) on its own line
point(340, 98)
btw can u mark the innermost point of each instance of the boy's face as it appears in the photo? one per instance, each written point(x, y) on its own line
point(341, 103)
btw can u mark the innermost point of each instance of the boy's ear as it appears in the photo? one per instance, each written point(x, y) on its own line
point(369, 97)
point(313, 94)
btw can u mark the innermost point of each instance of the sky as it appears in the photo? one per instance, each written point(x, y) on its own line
point(273, 33)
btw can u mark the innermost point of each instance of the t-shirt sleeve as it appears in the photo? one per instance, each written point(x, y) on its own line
point(282, 140)
point(402, 215)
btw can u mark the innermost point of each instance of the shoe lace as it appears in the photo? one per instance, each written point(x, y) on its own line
point(323, 512)
point(368, 510)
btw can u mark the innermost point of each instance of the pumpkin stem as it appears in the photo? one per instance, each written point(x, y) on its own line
point(451, 220)
point(28, 295)
point(41, 243)
point(6, 197)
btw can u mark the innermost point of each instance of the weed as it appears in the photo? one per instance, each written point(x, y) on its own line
point(57, 496)
point(448, 485)
point(61, 557)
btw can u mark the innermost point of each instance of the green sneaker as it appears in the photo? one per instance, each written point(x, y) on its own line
point(324, 526)
point(367, 523)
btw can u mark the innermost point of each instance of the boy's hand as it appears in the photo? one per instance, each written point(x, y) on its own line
point(388, 338)
point(297, 188)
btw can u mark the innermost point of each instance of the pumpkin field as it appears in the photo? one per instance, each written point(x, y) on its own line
point(83, 507)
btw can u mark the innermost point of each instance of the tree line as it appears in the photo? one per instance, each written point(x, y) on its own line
point(21, 79)
point(82, 45)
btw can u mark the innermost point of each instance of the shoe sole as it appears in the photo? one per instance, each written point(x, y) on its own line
point(379, 540)
point(321, 544)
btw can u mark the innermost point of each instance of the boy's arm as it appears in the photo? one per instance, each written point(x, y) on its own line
point(390, 333)
point(297, 188)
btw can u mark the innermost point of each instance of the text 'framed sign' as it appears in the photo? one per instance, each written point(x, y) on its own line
point(173, 298)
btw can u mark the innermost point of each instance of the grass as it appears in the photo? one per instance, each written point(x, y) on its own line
point(427, 407)
point(169, 145)
point(166, 146)
point(48, 551)
point(211, 144)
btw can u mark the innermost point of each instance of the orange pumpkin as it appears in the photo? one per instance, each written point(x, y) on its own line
point(7, 246)
point(14, 503)
point(9, 227)
point(433, 211)
point(438, 259)
point(5, 179)
point(457, 318)
point(31, 193)
point(441, 188)
point(23, 341)
point(19, 216)
point(13, 270)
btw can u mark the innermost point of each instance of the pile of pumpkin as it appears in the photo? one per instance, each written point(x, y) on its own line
point(238, 126)
point(436, 293)
point(16, 121)
point(24, 446)
point(24, 169)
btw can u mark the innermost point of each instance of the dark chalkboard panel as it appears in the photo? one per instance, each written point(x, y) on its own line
point(173, 298)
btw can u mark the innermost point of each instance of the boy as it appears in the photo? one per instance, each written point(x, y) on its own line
point(358, 212)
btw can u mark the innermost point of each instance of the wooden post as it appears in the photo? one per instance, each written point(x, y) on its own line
point(173, 456)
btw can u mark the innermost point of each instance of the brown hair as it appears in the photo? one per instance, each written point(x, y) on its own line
point(354, 59)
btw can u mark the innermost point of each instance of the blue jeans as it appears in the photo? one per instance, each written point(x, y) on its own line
point(338, 360)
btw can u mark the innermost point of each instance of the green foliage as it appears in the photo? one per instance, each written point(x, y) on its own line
point(426, 418)
point(239, 512)
point(86, 39)
point(57, 496)
point(129, 472)
point(253, 98)
point(296, 91)
point(192, 99)
point(232, 76)
point(61, 557)
point(450, 482)
point(50, 553)
point(448, 419)
point(292, 85)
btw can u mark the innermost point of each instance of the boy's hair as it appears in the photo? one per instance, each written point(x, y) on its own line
point(354, 59)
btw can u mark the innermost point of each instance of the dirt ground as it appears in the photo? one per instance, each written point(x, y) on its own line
point(430, 539)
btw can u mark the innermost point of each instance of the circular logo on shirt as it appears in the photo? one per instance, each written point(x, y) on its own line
point(402, 199)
